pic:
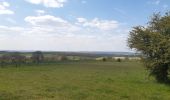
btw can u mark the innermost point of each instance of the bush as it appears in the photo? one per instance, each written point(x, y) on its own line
point(119, 60)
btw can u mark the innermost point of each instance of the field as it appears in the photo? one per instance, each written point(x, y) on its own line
point(90, 80)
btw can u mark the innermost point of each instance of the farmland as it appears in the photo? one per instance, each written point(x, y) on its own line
point(80, 80)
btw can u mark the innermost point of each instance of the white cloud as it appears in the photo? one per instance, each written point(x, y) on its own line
point(37, 38)
point(6, 31)
point(34, 1)
point(5, 4)
point(49, 32)
point(11, 29)
point(154, 2)
point(49, 3)
point(97, 23)
point(4, 8)
point(56, 24)
point(76, 43)
point(45, 20)
point(40, 12)
point(81, 20)
point(51, 24)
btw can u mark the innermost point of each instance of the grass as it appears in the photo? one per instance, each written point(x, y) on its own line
point(81, 81)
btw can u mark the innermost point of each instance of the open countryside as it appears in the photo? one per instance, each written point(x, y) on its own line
point(83, 76)
point(84, 50)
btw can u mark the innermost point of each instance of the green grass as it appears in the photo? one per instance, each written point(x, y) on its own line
point(81, 81)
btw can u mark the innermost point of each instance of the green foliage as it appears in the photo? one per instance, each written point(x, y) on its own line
point(14, 58)
point(37, 57)
point(17, 59)
point(153, 41)
point(4, 59)
point(119, 60)
point(104, 59)
point(63, 58)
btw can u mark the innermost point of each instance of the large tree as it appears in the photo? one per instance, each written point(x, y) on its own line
point(37, 57)
point(153, 42)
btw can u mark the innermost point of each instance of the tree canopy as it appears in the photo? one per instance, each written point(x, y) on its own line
point(37, 56)
point(153, 42)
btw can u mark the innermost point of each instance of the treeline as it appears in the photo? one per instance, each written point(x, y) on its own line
point(16, 59)
point(38, 57)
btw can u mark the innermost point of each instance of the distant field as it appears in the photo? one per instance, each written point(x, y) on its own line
point(81, 81)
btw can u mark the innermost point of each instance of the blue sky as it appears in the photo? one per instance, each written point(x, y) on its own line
point(73, 25)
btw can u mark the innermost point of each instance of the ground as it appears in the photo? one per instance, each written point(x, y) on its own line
point(81, 81)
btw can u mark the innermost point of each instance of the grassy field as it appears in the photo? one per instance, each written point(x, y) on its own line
point(81, 81)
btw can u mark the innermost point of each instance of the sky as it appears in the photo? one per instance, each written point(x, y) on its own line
point(73, 25)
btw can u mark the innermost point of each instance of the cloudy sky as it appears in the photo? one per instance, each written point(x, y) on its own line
point(73, 25)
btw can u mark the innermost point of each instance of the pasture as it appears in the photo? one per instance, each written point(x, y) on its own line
point(81, 80)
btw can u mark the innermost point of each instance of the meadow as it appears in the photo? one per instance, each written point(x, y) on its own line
point(81, 80)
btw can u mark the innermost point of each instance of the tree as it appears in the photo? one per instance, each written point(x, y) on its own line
point(153, 42)
point(118, 60)
point(16, 58)
point(37, 57)
point(4, 59)
point(63, 58)
point(104, 59)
